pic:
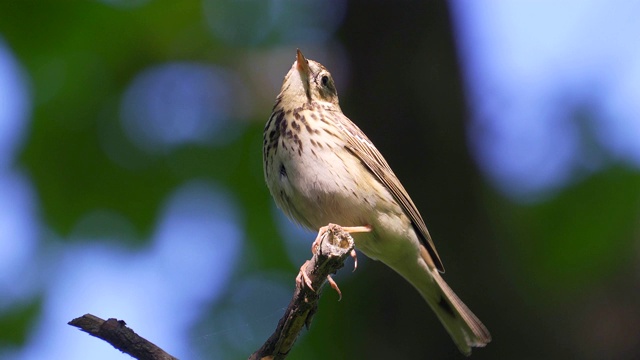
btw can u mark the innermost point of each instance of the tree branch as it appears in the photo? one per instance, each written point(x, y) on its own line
point(121, 337)
point(334, 246)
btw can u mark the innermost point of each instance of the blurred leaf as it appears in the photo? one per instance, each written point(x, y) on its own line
point(79, 67)
point(577, 238)
point(15, 323)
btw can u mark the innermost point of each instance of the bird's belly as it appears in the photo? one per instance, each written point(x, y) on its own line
point(325, 188)
point(330, 188)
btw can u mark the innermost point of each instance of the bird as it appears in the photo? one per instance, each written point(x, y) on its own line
point(320, 168)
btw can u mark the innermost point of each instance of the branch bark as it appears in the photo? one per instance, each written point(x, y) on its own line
point(116, 333)
point(334, 248)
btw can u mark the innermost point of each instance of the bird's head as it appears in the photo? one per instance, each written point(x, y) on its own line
point(307, 81)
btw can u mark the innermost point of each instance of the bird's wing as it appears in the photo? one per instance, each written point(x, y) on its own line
point(364, 149)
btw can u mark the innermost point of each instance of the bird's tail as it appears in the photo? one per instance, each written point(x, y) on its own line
point(463, 326)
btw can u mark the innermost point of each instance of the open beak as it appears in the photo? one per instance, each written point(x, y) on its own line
point(302, 64)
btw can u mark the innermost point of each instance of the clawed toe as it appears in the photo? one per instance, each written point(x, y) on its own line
point(316, 242)
point(302, 276)
point(335, 287)
point(355, 259)
point(357, 229)
point(348, 229)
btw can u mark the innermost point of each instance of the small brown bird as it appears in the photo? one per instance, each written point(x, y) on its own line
point(321, 168)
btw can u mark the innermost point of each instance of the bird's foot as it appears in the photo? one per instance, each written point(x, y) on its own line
point(302, 276)
point(347, 229)
point(318, 240)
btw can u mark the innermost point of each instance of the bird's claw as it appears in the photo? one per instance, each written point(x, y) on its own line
point(334, 286)
point(302, 276)
point(347, 229)
point(355, 259)
point(318, 240)
point(356, 229)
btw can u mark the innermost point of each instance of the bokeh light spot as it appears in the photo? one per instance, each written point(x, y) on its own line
point(19, 231)
point(180, 103)
point(253, 22)
point(529, 86)
point(193, 254)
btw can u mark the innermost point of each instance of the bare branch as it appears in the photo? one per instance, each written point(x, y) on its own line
point(116, 333)
point(335, 245)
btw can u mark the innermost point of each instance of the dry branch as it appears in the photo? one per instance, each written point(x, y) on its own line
point(335, 246)
point(116, 333)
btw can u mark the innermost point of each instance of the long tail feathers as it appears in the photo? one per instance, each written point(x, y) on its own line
point(465, 328)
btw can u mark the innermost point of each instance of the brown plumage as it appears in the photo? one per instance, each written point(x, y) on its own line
point(321, 168)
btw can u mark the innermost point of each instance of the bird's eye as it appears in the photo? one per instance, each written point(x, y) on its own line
point(325, 80)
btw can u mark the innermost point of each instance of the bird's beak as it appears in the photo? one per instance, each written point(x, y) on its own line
point(302, 64)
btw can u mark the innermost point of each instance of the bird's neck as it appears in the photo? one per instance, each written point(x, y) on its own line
point(290, 104)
